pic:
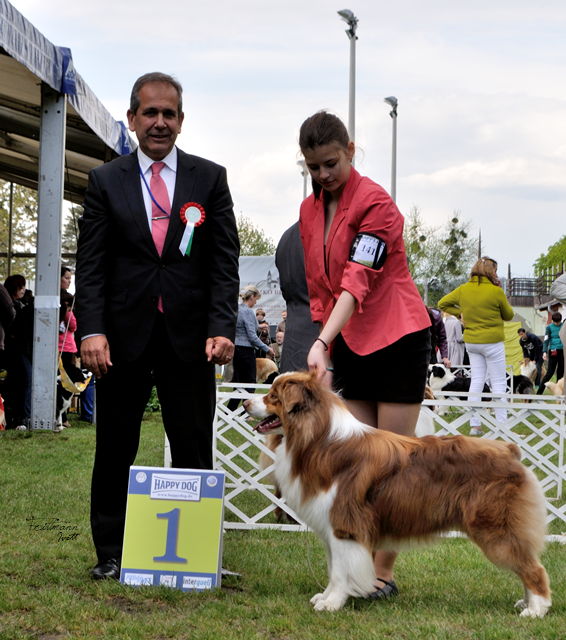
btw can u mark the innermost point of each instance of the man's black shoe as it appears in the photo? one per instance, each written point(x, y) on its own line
point(107, 569)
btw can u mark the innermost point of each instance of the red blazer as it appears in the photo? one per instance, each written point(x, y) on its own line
point(388, 304)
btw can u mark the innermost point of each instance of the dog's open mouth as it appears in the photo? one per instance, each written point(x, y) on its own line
point(268, 424)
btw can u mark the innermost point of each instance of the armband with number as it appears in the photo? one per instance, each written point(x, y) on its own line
point(368, 250)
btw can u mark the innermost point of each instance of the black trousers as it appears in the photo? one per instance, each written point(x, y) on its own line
point(187, 394)
point(555, 363)
point(244, 370)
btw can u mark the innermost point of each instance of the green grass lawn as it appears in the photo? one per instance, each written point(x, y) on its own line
point(46, 592)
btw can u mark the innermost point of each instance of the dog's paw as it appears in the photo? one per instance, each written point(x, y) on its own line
point(537, 607)
point(316, 598)
point(521, 604)
point(330, 604)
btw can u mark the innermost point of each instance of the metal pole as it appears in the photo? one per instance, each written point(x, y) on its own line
point(305, 173)
point(352, 22)
point(48, 259)
point(352, 101)
point(394, 158)
point(393, 102)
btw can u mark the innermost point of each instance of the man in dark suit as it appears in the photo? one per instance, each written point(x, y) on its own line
point(152, 307)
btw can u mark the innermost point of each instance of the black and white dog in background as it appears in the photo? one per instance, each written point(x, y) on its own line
point(443, 382)
point(64, 397)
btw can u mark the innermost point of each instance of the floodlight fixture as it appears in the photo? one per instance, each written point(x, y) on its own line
point(349, 17)
point(391, 101)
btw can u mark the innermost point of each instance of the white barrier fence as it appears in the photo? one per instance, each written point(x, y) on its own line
point(536, 427)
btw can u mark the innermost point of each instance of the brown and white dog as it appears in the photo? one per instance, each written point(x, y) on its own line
point(529, 369)
point(362, 489)
point(556, 388)
point(265, 369)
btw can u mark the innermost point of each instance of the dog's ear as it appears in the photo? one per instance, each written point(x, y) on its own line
point(297, 397)
point(438, 372)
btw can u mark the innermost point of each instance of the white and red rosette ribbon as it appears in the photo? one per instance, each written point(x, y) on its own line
point(192, 216)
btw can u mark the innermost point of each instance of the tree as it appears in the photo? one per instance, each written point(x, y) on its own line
point(439, 257)
point(253, 241)
point(553, 258)
point(24, 228)
point(71, 235)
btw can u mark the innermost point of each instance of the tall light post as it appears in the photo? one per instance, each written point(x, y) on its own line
point(352, 21)
point(305, 173)
point(392, 102)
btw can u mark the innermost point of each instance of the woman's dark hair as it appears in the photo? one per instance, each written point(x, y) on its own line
point(319, 130)
point(14, 283)
point(66, 304)
point(557, 317)
point(64, 270)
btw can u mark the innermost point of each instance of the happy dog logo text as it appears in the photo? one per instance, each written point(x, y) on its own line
point(175, 487)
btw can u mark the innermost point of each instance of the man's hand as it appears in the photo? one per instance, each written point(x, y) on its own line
point(219, 350)
point(95, 355)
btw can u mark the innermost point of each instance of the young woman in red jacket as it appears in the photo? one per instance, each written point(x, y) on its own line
point(374, 343)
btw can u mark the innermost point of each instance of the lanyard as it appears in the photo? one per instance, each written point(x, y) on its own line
point(167, 215)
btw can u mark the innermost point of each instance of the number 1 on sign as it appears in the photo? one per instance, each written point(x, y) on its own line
point(172, 537)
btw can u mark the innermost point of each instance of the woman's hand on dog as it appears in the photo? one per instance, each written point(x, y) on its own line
point(319, 362)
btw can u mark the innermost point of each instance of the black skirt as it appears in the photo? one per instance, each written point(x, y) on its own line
point(396, 373)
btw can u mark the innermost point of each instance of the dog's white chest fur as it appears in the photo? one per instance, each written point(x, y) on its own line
point(314, 511)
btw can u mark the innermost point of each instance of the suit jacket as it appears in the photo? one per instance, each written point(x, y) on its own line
point(120, 275)
point(300, 331)
point(388, 304)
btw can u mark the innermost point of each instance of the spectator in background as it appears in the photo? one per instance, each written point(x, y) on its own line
point(553, 352)
point(532, 349)
point(66, 277)
point(484, 306)
point(278, 347)
point(281, 325)
point(247, 342)
point(439, 344)
point(558, 290)
point(455, 340)
point(263, 329)
point(67, 345)
point(7, 315)
point(18, 352)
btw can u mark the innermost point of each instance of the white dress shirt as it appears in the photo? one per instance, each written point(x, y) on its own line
point(168, 173)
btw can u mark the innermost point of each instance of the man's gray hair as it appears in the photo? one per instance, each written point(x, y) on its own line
point(152, 78)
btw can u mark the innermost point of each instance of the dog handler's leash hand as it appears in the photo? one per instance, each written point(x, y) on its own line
point(319, 362)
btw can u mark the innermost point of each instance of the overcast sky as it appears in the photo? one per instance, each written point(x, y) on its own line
point(481, 89)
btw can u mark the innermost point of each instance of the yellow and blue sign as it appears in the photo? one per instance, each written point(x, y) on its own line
point(173, 534)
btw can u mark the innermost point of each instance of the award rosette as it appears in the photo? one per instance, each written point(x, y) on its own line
point(192, 216)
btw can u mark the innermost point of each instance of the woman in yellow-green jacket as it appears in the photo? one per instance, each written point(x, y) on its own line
point(483, 306)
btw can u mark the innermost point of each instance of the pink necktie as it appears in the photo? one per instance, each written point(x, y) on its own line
point(159, 220)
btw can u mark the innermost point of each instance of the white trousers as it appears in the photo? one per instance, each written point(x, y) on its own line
point(487, 359)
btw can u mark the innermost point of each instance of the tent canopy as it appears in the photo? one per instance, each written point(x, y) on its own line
point(93, 137)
